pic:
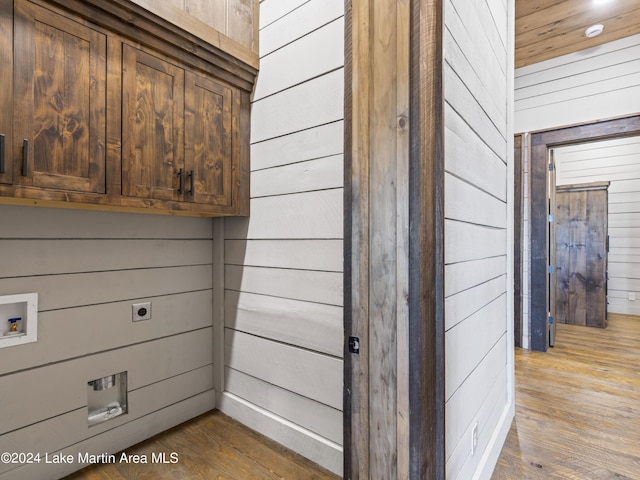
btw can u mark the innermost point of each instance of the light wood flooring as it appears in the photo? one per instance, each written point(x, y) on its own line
point(577, 407)
point(211, 447)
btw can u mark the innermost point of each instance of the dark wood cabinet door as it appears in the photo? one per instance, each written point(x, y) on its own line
point(209, 140)
point(581, 256)
point(152, 126)
point(6, 92)
point(60, 96)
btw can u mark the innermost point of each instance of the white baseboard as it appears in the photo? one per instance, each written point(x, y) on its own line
point(318, 449)
point(488, 461)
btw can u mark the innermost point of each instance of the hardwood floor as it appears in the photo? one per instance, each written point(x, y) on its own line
point(210, 447)
point(577, 406)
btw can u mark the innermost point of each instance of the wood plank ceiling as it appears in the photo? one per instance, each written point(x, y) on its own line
point(549, 28)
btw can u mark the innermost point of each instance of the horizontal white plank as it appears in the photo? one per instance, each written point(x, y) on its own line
point(301, 215)
point(626, 258)
point(297, 22)
point(624, 242)
point(316, 417)
point(319, 174)
point(467, 203)
point(286, 321)
point(464, 275)
point(27, 257)
point(66, 382)
point(624, 232)
point(326, 255)
point(119, 438)
point(70, 333)
point(61, 432)
point(623, 186)
point(324, 452)
point(35, 222)
point(310, 374)
point(461, 305)
point(626, 197)
point(317, 142)
point(307, 105)
point(469, 158)
point(623, 219)
point(79, 289)
point(467, 343)
point(465, 241)
point(315, 54)
point(627, 284)
point(307, 285)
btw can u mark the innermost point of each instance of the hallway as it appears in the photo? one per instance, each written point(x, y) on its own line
point(577, 407)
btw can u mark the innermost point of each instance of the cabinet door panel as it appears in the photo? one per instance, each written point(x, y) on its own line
point(60, 96)
point(6, 92)
point(208, 139)
point(152, 126)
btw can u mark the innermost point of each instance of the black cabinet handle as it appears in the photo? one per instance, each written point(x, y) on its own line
point(25, 157)
point(1, 152)
point(190, 192)
point(181, 181)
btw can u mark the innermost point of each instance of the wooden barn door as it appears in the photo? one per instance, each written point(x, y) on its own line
point(581, 254)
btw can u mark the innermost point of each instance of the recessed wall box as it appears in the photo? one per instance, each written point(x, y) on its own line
point(18, 319)
point(106, 398)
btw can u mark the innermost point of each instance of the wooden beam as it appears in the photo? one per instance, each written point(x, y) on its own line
point(518, 157)
point(394, 240)
point(426, 243)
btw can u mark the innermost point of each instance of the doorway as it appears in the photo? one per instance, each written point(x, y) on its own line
point(541, 144)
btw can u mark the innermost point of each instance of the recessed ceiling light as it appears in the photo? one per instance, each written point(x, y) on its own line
point(594, 30)
point(600, 2)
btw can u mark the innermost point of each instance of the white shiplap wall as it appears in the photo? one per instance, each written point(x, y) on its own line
point(617, 161)
point(283, 266)
point(478, 304)
point(88, 268)
point(597, 83)
point(594, 84)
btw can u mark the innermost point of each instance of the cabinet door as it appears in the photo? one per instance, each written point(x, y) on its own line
point(6, 92)
point(209, 129)
point(152, 126)
point(60, 95)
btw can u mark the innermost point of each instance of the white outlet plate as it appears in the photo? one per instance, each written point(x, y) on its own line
point(141, 311)
point(632, 296)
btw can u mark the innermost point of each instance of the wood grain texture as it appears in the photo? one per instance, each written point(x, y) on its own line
point(518, 245)
point(548, 29)
point(63, 102)
point(213, 446)
point(589, 412)
point(581, 256)
point(6, 93)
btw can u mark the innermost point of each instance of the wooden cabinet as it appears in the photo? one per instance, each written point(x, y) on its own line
point(59, 102)
point(99, 114)
point(152, 126)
